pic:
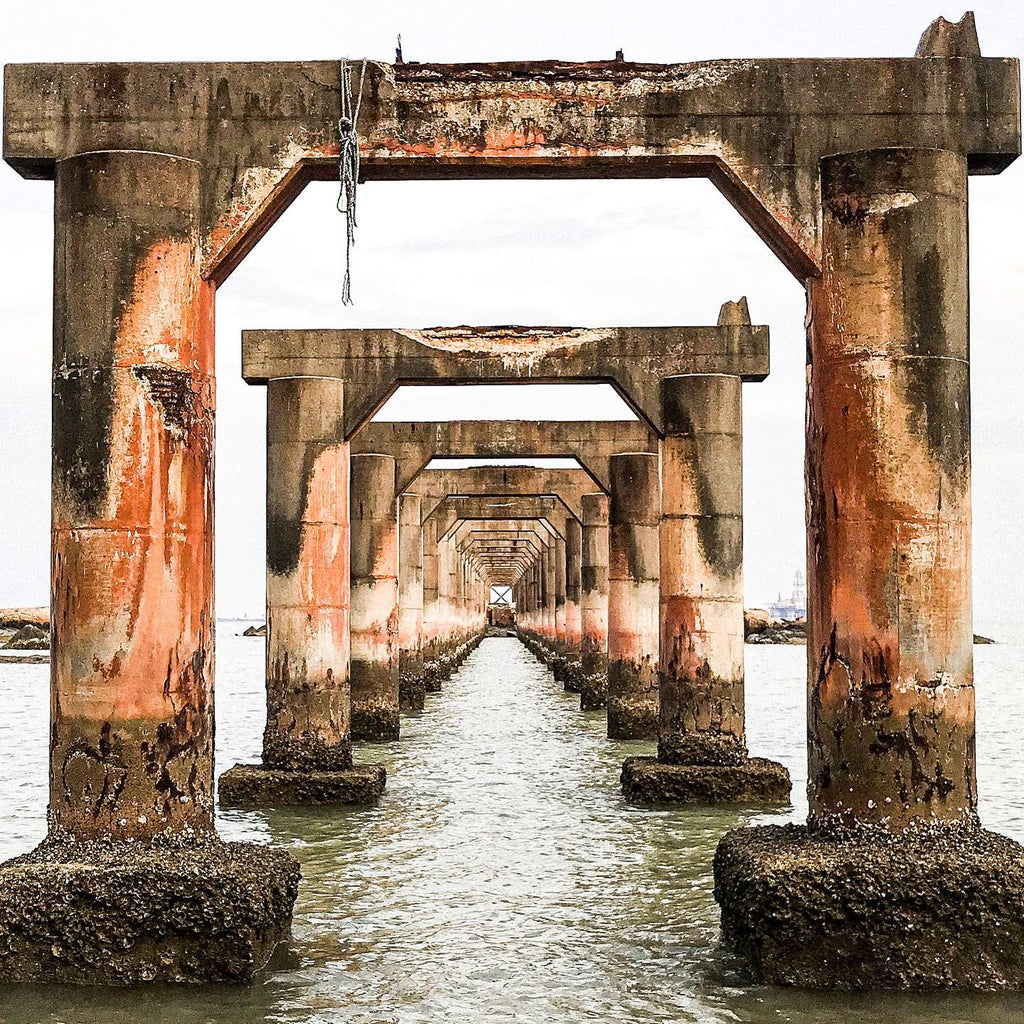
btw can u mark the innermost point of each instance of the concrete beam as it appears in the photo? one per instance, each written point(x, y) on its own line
point(374, 363)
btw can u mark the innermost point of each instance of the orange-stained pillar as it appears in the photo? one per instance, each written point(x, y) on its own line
point(701, 540)
point(131, 737)
point(307, 576)
point(594, 603)
point(633, 522)
point(431, 608)
point(573, 612)
point(374, 598)
point(890, 672)
point(411, 686)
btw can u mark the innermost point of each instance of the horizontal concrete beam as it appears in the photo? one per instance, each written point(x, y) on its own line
point(634, 360)
point(591, 443)
point(757, 128)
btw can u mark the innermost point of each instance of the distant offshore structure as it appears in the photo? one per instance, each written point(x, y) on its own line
point(796, 606)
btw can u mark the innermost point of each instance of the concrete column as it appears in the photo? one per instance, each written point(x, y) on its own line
point(634, 518)
point(131, 684)
point(702, 752)
point(131, 745)
point(701, 651)
point(431, 608)
point(893, 828)
point(594, 603)
point(550, 589)
point(374, 599)
point(573, 613)
point(411, 688)
point(888, 496)
point(307, 576)
point(307, 746)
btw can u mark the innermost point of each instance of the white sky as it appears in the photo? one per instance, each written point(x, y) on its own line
point(565, 252)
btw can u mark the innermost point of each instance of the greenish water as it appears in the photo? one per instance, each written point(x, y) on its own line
point(502, 877)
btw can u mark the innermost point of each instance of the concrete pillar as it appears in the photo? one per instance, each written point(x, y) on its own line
point(702, 752)
point(307, 746)
point(549, 583)
point(573, 613)
point(307, 576)
point(431, 608)
point(411, 687)
point(594, 603)
point(888, 497)
point(131, 685)
point(374, 599)
point(634, 517)
point(893, 864)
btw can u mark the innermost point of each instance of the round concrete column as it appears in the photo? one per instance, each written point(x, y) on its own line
point(131, 734)
point(634, 517)
point(307, 576)
point(410, 602)
point(431, 654)
point(594, 602)
point(374, 598)
point(549, 580)
point(573, 612)
point(560, 590)
point(890, 671)
point(896, 885)
point(701, 539)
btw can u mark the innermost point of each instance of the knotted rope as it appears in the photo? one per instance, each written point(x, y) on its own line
point(348, 167)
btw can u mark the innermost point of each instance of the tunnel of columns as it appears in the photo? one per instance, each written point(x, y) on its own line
point(623, 575)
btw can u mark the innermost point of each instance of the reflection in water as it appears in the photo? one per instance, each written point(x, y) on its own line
point(502, 876)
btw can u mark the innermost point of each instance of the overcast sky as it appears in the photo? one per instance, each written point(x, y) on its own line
point(566, 252)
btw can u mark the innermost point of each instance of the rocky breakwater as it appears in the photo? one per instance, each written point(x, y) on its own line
point(24, 629)
point(760, 628)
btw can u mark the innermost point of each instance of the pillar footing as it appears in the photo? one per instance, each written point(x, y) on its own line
point(254, 785)
point(593, 692)
point(572, 676)
point(375, 725)
point(412, 693)
point(874, 910)
point(114, 913)
point(646, 780)
point(633, 720)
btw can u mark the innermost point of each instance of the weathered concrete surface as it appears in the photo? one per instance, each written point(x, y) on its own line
point(573, 668)
point(938, 909)
point(757, 128)
point(594, 603)
point(634, 517)
point(893, 884)
point(700, 676)
point(254, 785)
point(131, 740)
point(633, 359)
point(374, 619)
point(411, 686)
point(890, 658)
point(754, 780)
point(103, 912)
point(308, 726)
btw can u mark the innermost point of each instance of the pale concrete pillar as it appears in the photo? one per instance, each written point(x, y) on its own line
point(431, 609)
point(411, 688)
point(594, 602)
point(374, 599)
point(634, 520)
point(573, 612)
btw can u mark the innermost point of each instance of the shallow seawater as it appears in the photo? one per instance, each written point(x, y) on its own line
point(502, 877)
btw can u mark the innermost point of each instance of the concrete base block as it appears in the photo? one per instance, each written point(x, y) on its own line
point(253, 785)
point(411, 694)
point(593, 693)
point(375, 725)
point(933, 910)
point(572, 676)
point(646, 780)
point(632, 720)
point(105, 913)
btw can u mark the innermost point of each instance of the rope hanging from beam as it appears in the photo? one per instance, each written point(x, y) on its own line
point(348, 166)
